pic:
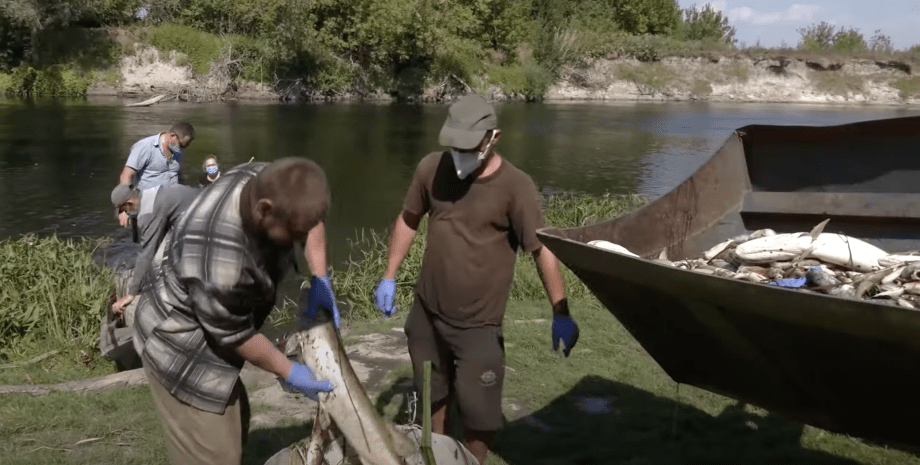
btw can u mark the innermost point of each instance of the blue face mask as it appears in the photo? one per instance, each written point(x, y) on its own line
point(176, 150)
point(212, 170)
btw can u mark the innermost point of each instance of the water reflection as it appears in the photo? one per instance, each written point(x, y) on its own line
point(60, 159)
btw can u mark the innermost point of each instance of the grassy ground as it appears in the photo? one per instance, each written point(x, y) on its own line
point(650, 420)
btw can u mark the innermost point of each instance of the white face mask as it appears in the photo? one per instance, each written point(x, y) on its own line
point(467, 162)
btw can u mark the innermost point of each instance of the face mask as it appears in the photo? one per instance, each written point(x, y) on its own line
point(467, 162)
point(212, 170)
point(176, 150)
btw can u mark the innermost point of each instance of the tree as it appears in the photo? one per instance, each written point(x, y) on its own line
point(707, 23)
point(824, 37)
point(647, 16)
point(817, 37)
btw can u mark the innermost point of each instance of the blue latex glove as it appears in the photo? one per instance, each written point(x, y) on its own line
point(321, 295)
point(384, 294)
point(302, 379)
point(790, 282)
point(564, 329)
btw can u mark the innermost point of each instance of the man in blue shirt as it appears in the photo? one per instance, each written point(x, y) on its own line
point(156, 160)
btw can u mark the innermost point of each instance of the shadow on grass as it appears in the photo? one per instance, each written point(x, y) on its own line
point(263, 443)
point(603, 421)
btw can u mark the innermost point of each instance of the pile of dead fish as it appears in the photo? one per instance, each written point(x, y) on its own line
point(828, 263)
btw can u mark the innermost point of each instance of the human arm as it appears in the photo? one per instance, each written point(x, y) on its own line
point(260, 352)
point(401, 236)
point(126, 174)
point(321, 293)
point(551, 275)
point(315, 250)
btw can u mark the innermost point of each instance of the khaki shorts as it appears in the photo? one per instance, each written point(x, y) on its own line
point(196, 437)
point(465, 362)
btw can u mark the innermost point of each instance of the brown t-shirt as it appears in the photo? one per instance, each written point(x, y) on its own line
point(475, 228)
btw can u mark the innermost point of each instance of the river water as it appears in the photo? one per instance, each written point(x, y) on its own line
point(60, 159)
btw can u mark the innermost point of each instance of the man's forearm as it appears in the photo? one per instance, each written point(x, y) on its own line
point(126, 175)
point(315, 249)
point(400, 241)
point(551, 275)
point(259, 351)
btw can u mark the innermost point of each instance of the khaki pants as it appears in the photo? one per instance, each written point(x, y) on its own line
point(196, 437)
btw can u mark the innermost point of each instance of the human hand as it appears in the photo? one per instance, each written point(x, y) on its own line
point(120, 304)
point(566, 330)
point(384, 294)
point(302, 379)
point(321, 295)
point(123, 219)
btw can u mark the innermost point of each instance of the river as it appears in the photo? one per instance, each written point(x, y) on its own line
point(60, 159)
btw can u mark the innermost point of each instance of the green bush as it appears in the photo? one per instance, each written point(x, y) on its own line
point(51, 290)
point(706, 23)
point(530, 80)
point(908, 87)
point(200, 47)
point(49, 81)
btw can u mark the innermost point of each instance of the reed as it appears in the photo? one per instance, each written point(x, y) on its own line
point(355, 282)
point(52, 294)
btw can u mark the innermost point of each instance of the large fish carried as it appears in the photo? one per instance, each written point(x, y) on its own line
point(365, 437)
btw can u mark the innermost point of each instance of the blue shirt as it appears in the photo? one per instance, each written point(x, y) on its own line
point(153, 168)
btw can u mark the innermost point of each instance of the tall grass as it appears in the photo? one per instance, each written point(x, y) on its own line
point(52, 294)
point(354, 285)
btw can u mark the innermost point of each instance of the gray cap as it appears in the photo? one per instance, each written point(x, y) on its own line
point(468, 120)
point(121, 194)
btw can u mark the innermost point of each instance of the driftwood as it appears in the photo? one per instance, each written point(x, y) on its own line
point(128, 378)
point(148, 102)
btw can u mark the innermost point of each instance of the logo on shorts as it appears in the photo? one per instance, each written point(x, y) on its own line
point(488, 378)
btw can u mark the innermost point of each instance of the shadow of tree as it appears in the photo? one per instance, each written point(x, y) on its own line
point(603, 421)
point(263, 443)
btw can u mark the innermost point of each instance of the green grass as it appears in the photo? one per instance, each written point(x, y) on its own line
point(52, 294)
point(908, 88)
point(837, 83)
point(649, 78)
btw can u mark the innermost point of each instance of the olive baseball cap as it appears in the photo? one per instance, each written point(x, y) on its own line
point(468, 120)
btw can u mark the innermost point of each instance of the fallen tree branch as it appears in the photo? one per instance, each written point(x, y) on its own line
point(147, 102)
point(128, 378)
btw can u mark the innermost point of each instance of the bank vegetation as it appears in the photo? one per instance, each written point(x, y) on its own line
point(408, 50)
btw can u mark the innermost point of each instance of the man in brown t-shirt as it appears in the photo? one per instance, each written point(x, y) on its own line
point(482, 210)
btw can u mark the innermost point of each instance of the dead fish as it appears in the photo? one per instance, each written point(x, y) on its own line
point(750, 276)
point(778, 247)
point(912, 288)
point(894, 260)
point(612, 247)
point(719, 263)
point(844, 290)
point(847, 251)
point(716, 249)
point(911, 272)
point(375, 440)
